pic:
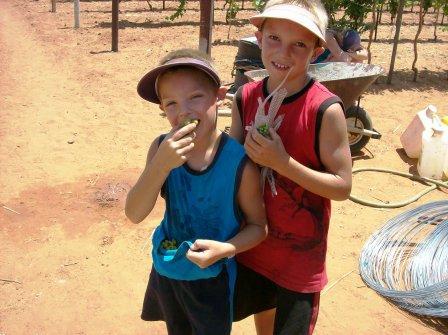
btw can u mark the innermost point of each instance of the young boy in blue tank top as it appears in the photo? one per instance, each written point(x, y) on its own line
point(210, 189)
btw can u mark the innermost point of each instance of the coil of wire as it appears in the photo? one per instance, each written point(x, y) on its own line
point(406, 260)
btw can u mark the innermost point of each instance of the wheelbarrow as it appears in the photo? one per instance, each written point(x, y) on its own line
point(348, 81)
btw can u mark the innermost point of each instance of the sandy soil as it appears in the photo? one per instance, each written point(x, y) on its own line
point(74, 136)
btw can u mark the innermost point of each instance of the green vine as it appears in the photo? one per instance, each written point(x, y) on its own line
point(354, 13)
point(231, 13)
point(259, 4)
point(180, 11)
point(232, 10)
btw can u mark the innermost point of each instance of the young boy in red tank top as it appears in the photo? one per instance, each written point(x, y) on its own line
point(307, 156)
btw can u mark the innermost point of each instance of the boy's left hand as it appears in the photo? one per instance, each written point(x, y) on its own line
point(207, 252)
point(268, 152)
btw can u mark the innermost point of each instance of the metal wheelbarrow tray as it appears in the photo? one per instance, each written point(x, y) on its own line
point(348, 81)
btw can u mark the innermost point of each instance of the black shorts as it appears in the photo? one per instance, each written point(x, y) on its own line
point(296, 312)
point(199, 307)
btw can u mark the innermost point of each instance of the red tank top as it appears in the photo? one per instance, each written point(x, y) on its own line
point(293, 255)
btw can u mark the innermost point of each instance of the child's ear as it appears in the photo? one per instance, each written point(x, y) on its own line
point(259, 35)
point(221, 93)
point(317, 52)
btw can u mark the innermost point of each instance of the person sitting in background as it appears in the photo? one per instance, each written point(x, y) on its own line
point(343, 46)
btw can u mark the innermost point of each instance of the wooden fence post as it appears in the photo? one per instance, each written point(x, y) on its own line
point(115, 25)
point(206, 24)
point(53, 6)
point(76, 11)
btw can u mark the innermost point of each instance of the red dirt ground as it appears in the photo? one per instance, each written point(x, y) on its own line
point(74, 138)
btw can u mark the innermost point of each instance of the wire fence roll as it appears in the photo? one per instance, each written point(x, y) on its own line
point(406, 260)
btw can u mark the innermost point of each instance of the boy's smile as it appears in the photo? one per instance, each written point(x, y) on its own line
point(280, 67)
point(285, 45)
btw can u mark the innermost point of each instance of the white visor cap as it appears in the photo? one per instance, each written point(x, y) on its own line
point(292, 13)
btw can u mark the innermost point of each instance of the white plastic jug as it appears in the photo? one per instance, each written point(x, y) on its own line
point(433, 157)
point(411, 139)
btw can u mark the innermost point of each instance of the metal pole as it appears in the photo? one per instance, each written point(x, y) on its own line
point(115, 25)
point(397, 37)
point(206, 24)
point(76, 5)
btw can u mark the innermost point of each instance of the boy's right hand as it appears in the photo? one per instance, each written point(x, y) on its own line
point(266, 151)
point(175, 147)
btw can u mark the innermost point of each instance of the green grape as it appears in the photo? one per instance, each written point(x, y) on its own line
point(188, 121)
point(264, 130)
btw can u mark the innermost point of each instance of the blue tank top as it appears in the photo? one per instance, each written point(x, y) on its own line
point(200, 205)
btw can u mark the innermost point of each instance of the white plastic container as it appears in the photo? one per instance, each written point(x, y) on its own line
point(411, 139)
point(434, 156)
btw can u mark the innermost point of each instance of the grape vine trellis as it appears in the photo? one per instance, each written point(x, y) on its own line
point(342, 14)
point(232, 8)
point(354, 12)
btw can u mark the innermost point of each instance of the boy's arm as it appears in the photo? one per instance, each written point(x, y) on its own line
point(142, 197)
point(251, 203)
point(172, 152)
point(332, 43)
point(335, 183)
point(236, 128)
point(334, 151)
point(254, 231)
point(337, 54)
point(359, 55)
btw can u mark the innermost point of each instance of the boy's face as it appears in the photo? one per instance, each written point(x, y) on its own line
point(188, 94)
point(285, 45)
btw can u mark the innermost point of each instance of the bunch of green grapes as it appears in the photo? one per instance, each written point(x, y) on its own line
point(264, 130)
point(169, 244)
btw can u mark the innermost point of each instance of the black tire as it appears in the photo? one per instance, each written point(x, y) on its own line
point(359, 115)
